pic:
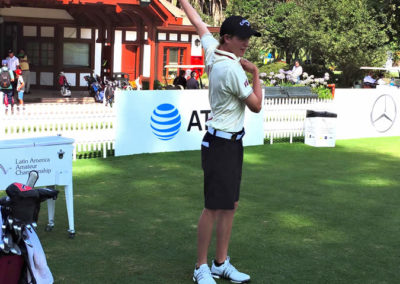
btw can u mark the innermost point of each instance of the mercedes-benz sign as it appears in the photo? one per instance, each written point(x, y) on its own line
point(383, 113)
point(165, 121)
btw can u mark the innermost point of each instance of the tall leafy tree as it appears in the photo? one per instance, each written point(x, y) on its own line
point(387, 13)
point(211, 10)
point(345, 34)
point(342, 33)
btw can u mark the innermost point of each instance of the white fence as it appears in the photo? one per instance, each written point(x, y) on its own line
point(92, 125)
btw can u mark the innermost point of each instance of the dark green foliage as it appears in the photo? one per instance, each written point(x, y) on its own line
point(323, 92)
point(344, 34)
point(273, 67)
point(317, 70)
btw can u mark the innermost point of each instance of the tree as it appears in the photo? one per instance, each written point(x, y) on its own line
point(211, 10)
point(387, 13)
point(344, 33)
point(341, 33)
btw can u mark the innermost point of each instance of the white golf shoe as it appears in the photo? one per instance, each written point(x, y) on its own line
point(228, 271)
point(202, 275)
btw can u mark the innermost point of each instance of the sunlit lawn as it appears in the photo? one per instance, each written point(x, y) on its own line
point(306, 215)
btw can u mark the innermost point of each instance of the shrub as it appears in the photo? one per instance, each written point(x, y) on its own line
point(273, 67)
point(323, 92)
point(317, 70)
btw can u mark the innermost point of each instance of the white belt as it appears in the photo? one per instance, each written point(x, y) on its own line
point(226, 135)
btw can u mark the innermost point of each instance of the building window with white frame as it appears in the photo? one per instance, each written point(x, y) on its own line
point(76, 54)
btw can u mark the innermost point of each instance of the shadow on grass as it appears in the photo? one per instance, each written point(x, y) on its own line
point(307, 215)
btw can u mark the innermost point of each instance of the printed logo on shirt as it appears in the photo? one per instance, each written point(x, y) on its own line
point(246, 83)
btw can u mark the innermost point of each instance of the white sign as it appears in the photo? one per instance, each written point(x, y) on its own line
point(320, 131)
point(162, 121)
point(50, 156)
point(366, 113)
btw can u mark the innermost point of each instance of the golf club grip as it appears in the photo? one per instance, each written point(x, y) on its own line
point(32, 178)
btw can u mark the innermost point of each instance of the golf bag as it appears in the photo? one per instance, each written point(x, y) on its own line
point(22, 259)
point(109, 90)
point(65, 86)
point(95, 88)
point(122, 81)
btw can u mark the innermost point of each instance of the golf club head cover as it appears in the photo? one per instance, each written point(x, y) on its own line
point(47, 193)
point(24, 201)
point(44, 194)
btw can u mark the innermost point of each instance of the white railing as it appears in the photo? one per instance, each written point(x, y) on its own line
point(284, 118)
point(91, 125)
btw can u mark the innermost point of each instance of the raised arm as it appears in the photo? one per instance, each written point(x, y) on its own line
point(194, 18)
point(254, 101)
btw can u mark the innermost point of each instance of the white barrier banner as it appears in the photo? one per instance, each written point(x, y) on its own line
point(162, 121)
point(364, 113)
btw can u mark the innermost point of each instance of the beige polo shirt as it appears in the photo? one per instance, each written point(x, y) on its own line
point(228, 87)
point(23, 63)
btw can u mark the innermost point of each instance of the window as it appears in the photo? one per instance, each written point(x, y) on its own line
point(33, 51)
point(76, 54)
point(86, 33)
point(47, 31)
point(47, 54)
point(172, 56)
point(29, 31)
point(70, 32)
point(130, 35)
point(40, 53)
point(162, 36)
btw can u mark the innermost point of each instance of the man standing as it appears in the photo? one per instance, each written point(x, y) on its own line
point(12, 64)
point(222, 149)
point(192, 82)
point(180, 81)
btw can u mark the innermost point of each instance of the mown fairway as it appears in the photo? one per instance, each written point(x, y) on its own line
point(306, 215)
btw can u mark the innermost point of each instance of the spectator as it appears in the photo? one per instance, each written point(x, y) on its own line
point(369, 81)
point(180, 81)
point(381, 81)
point(24, 64)
point(6, 80)
point(12, 64)
point(20, 87)
point(296, 72)
point(192, 82)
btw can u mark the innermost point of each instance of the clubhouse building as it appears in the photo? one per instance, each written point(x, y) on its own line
point(143, 38)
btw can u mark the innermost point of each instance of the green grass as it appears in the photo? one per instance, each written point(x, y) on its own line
point(306, 215)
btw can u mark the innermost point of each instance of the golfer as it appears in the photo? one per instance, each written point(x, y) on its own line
point(222, 149)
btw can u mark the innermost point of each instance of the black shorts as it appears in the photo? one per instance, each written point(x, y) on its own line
point(222, 161)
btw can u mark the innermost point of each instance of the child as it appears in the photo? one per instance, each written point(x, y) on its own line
point(20, 87)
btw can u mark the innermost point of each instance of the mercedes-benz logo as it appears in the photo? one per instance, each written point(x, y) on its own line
point(384, 112)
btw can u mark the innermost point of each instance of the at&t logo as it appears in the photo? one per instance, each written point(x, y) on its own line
point(165, 121)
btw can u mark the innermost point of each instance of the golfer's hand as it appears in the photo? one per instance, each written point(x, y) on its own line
point(248, 66)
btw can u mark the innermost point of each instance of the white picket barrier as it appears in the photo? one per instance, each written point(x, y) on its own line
point(284, 118)
point(90, 125)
